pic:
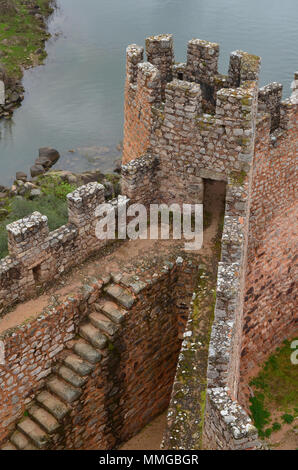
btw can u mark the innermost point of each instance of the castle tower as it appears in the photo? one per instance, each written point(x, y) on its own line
point(193, 122)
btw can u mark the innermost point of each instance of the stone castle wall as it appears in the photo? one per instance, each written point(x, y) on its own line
point(183, 123)
point(269, 309)
point(38, 256)
point(132, 382)
point(204, 125)
point(185, 143)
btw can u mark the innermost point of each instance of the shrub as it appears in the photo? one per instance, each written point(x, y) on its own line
point(276, 426)
point(287, 418)
point(259, 414)
point(54, 185)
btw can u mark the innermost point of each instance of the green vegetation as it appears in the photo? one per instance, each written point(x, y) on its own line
point(238, 177)
point(259, 414)
point(288, 419)
point(22, 35)
point(275, 389)
point(55, 186)
point(51, 203)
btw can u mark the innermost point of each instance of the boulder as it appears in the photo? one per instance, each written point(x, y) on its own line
point(109, 190)
point(50, 154)
point(21, 176)
point(90, 176)
point(44, 161)
point(117, 167)
point(37, 170)
point(35, 193)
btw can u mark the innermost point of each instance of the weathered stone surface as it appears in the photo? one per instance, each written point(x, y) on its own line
point(19, 440)
point(45, 419)
point(103, 323)
point(50, 154)
point(111, 310)
point(77, 364)
point(37, 170)
point(87, 352)
point(93, 335)
point(121, 295)
point(63, 390)
point(70, 376)
point(34, 432)
point(51, 403)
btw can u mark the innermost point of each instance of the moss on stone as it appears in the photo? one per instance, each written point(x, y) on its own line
point(238, 178)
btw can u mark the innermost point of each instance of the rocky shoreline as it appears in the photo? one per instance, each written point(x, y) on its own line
point(31, 187)
point(11, 97)
point(11, 88)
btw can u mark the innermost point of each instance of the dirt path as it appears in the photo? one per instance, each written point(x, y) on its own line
point(150, 437)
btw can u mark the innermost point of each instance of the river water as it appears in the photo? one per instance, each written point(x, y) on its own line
point(75, 101)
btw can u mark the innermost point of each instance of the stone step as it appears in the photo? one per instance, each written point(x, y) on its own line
point(19, 440)
point(30, 446)
point(87, 352)
point(63, 390)
point(37, 435)
point(54, 406)
point(121, 295)
point(44, 419)
point(78, 365)
point(111, 310)
point(8, 446)
point(103, 323)
point(72, 377)
point(93, 335)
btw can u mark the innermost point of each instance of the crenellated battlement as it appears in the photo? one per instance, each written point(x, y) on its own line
point(159, 90)
point(37, 256)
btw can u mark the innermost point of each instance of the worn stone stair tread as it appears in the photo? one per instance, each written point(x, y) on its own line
point(30, 447)
point(19, 440)
point(52, 404)
point(92, 334)
point(78, 365)
point(72, 377)
point(103, 323)
point(37, 435)
point(8, 446)
point(121, 295)
point(44, 419)
point(87, 352)
point(111, 310)
point(63, 390)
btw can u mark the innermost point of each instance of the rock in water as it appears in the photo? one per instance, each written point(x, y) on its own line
point(21, 176)
point(50, 154)
point(37, 170)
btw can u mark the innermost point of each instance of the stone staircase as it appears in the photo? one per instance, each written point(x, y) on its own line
point(43, 422)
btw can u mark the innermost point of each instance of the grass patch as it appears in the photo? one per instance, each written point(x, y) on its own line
point(259, 414)
point(51, 203)
point(275, 388)
point(237, 177)
point(55, 186)
point(22, 36)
